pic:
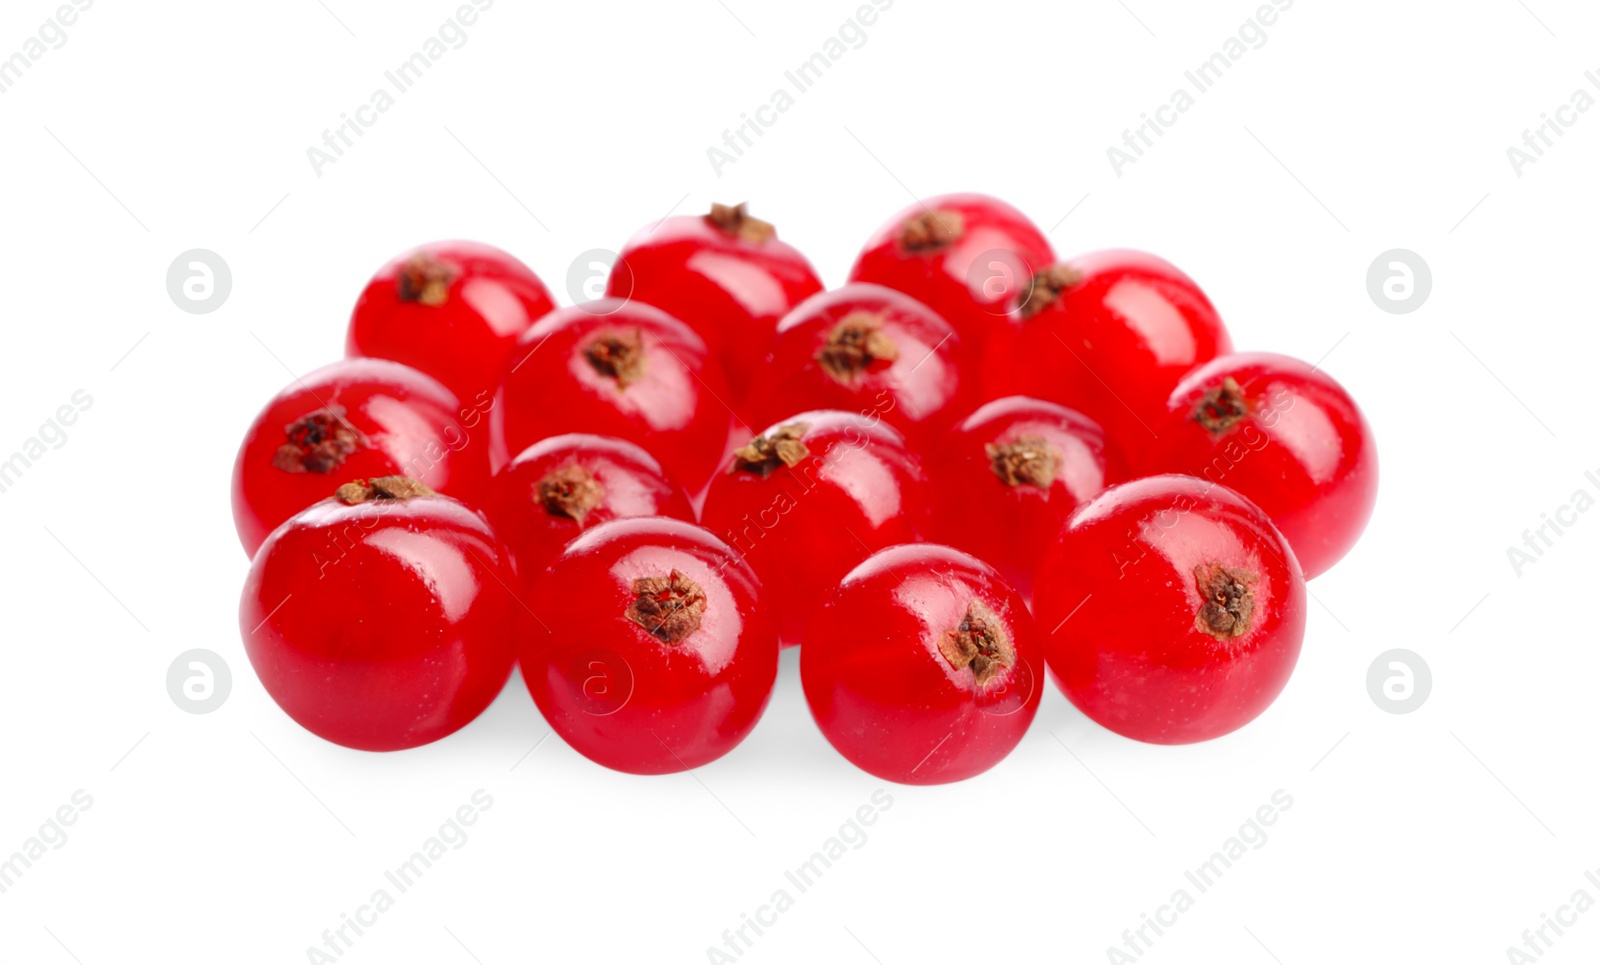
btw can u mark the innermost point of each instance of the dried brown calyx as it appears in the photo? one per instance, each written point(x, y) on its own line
point(855, 345)
point(764, 454)
point(319, 442)
point(1046, 287)
point(667, 607)
point(619, 355)
point(571, 491)
point(1222, 408)
point(979, 642)
point(931, 231)
point(426, 279)
point(735, 221)
point(380, 489)
point(1025, 461)
point(1230, 601)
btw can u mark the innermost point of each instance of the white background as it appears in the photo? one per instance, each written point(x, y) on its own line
point(1358, 127)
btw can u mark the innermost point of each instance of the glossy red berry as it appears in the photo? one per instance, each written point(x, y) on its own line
point(866, 348)
point(657, 653)
point(922, 667)
point(724, 274)
point(563, 485)
point(811, 497)
point(452, 309)
point(382, 618)
point(621, 369)
point(966, 256)
point(1172, 610)
point(1286, 436)
point(354, 419)
point(1007, 477)
point(1108, 334)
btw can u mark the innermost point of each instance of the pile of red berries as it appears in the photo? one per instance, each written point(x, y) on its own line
point(642, 497)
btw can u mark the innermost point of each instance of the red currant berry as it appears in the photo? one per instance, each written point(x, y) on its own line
point(866, 348)
point(452, 309)
point(564, 485)
point(810, 498)
point(725, 274)
point(1108, 334)
point(382, 618)
point(966, 256)
point(659, 656)
point(1173, 610)
point(1007, 477)
point(621, 369)
point(921, 666)
point(1284, 435)
point(352, 419)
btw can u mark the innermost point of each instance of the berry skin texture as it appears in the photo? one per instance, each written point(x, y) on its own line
point(1006, 479)
point(724, 274)
point(811, 497)
point(564, 485)
point(380, 619)
point(966, 256)
point(921, 667)
point(350, 420)
point(1108, 334)
point(620, 369)
point(1284, 435)
point(659, 656)
point(866, 348)
point(452, 309)
point(1173, 610)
